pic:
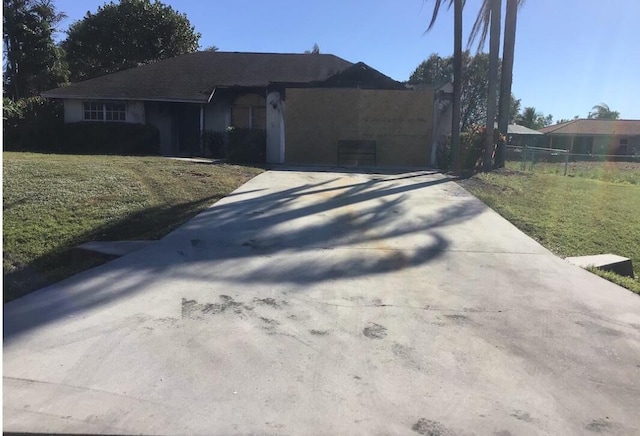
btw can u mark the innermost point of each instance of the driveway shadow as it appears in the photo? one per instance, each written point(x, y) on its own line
point(373, 217)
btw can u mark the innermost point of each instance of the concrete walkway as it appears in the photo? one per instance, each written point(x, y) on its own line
point(329, 303)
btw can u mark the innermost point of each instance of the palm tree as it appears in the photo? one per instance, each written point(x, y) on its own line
point(481, 28)
point(494, 48)
point(508, 51)
point(530, 118)
point(457, 72)
point(602, 111)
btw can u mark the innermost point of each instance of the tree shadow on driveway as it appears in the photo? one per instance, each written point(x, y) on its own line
point(337, 227)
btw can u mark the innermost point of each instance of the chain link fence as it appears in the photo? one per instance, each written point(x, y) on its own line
point(558, 161)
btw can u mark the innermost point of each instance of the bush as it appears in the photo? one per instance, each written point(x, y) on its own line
point(214, 143)
point(471, 149)
point(110, 138)
point(246, 145)
point(32, 124)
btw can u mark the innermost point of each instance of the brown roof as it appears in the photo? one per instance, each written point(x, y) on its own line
point(594, 126)
point(194, 76)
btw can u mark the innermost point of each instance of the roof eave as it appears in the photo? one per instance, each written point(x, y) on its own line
point(105, 97)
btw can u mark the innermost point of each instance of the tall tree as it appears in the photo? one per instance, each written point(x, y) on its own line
point(33, 63)
point(127, 34)
point(437, 70)
point(603, 111)
point(494, 58)
point(457, 71)
point(533, 119)
point(480, 28)
point(506, 80)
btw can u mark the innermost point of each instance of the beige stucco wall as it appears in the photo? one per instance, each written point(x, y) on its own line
point(399, 121)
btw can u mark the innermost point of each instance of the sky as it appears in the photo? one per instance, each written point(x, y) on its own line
point(570, 54)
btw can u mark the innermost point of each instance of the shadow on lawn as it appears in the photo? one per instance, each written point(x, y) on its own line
point(148, 224)
point(262, 240)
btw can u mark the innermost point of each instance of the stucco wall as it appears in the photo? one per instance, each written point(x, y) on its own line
point(399, 121)
point(72, 111)
point(135, 112)
point(217, 115)
point(275, 128)
point(159, 115)
point(610, 144)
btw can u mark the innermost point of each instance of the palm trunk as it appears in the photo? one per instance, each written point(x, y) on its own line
point(507, 75)
point(457, 83)
point(494, 48)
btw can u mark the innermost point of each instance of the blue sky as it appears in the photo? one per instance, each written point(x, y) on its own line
point(570, 54)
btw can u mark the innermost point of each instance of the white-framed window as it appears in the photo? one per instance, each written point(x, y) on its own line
point(98, 111)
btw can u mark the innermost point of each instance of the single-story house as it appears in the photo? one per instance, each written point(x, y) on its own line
point(521, 135)
point(595, 136)
point(312, 107)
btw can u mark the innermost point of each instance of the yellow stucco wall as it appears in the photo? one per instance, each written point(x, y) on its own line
point(399, 121)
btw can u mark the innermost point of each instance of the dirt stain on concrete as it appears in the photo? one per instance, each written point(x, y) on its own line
point(599, 426)
point(430, 428)
point(374, 331)
point(458, 319)
point(319, 332)
point(522, 416)
point(193, 310)
point(269, 302)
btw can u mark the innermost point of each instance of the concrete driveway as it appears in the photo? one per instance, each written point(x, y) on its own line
point(329, 303)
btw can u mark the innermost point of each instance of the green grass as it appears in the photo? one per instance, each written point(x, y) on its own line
point(571, 216)
point(52, 203)
point(615, 172)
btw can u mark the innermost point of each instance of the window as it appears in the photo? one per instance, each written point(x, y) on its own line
point(622, 145)
point(114, 112)
point(94, 111)
point(249, 112)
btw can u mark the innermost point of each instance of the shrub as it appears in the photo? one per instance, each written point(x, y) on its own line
point(214, 143)
point(471, 149)
point(246, 145)
point(32, 124)
point(110, 138)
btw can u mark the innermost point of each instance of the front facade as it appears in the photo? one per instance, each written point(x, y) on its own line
point(595, 137)
point(327, 100)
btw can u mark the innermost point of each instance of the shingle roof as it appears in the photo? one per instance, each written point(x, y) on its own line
point(516, 129)
point(194, 76)
point(594, 126)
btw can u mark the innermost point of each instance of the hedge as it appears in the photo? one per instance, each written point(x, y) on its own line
point(246, 145)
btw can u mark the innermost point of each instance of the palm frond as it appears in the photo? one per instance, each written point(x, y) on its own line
point(436, 9)
point(480, 27)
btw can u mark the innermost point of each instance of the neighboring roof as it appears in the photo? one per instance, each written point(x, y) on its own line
point(515, 129)
point(594, 126)
point(194, 76)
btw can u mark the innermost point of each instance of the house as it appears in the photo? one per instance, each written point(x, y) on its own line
point(521, 135)
point(595, 136)
point(309, 105)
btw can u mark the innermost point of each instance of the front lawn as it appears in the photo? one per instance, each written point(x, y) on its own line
point(52, 203)
point(571, 216)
